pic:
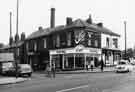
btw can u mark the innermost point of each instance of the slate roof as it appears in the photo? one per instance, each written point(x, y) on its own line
point(76, 23)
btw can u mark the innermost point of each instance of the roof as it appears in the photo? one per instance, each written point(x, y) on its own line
point(44, 32)
point(76, 23)
point(13, 45)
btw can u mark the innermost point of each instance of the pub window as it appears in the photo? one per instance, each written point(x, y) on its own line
point(58, 41)
point(18, 50)
point(27, 46)
point(35, 46)
point(69, 39)
point(107, 42)
point(89, 42)
point(90, 34)
point(96, 43)
point(115, 42)
point(44, 42)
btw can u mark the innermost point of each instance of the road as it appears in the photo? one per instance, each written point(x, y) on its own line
point(89, 82)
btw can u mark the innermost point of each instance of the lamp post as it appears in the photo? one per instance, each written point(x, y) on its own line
point(125, 40)
point(17, 38)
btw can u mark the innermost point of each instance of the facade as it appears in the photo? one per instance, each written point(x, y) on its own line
point(110, 48)
point(70, 46)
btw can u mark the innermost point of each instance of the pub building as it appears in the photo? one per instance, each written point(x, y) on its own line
point(69, 46)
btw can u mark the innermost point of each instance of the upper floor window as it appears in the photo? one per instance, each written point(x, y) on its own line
point(58, 41)
point(107, 42)
point(89, 42)
point(18, 50)
point(115, 42)
point(96, 43)
point(69, 39)
point(35, 46)
point(27, 46)
point(79, 36)
point(90, 34)
point(44, 42)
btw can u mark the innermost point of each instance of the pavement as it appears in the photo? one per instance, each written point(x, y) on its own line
point(95, 70)
point(11, 80)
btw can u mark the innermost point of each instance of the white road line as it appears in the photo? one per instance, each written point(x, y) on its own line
point(84, 86)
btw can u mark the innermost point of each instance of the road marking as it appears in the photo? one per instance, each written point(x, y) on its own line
point(79, 87)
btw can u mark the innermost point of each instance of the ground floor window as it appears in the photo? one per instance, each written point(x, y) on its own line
point(74, 61)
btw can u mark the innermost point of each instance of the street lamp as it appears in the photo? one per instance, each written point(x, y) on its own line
point(125, 40)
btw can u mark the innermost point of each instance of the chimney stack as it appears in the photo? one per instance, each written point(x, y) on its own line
point(69, 21)
point(100, 24)
point(89, 20)
point(22, 36)
point(52, 22)
point(10, 38)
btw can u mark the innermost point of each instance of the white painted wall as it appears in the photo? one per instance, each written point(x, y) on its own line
point(104, 43)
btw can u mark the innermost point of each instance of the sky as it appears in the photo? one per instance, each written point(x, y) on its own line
point(35, 13)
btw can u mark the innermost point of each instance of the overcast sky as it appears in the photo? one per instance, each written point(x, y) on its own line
point(35, 13)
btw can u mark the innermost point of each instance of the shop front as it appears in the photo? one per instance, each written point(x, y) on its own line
point(74, 58)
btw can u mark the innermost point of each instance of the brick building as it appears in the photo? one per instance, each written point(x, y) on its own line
point(69, 46)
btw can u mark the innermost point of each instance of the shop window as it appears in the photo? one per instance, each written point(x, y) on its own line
point(44, 42)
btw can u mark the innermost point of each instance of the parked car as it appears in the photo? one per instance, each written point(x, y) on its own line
point(123, 66)
point(23, 69)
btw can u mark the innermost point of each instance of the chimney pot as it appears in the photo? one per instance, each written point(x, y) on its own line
point(40, 28)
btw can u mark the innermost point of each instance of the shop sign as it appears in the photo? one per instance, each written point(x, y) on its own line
point(60, 51)
point(95, 51)
point(79, 48)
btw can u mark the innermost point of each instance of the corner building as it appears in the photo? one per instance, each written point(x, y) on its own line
point(69, 46)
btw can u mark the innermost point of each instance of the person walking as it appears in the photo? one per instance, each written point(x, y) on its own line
point(102, 65)
point(92, 65)
point(53, 70)
point(48, 69)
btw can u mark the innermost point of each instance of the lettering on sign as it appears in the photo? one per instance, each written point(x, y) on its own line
point(93, 51)
point(60, 51)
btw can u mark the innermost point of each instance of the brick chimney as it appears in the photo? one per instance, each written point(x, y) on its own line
point(89, 20)
point(22, 36)
point(52, 21)
point(10, 38)
point(100, 24)
point(69, 21)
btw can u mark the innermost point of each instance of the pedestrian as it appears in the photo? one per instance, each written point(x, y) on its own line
point(53, 70)
point(102, 65)
point(92, 65)
point(48, 69)
point(87, 66)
